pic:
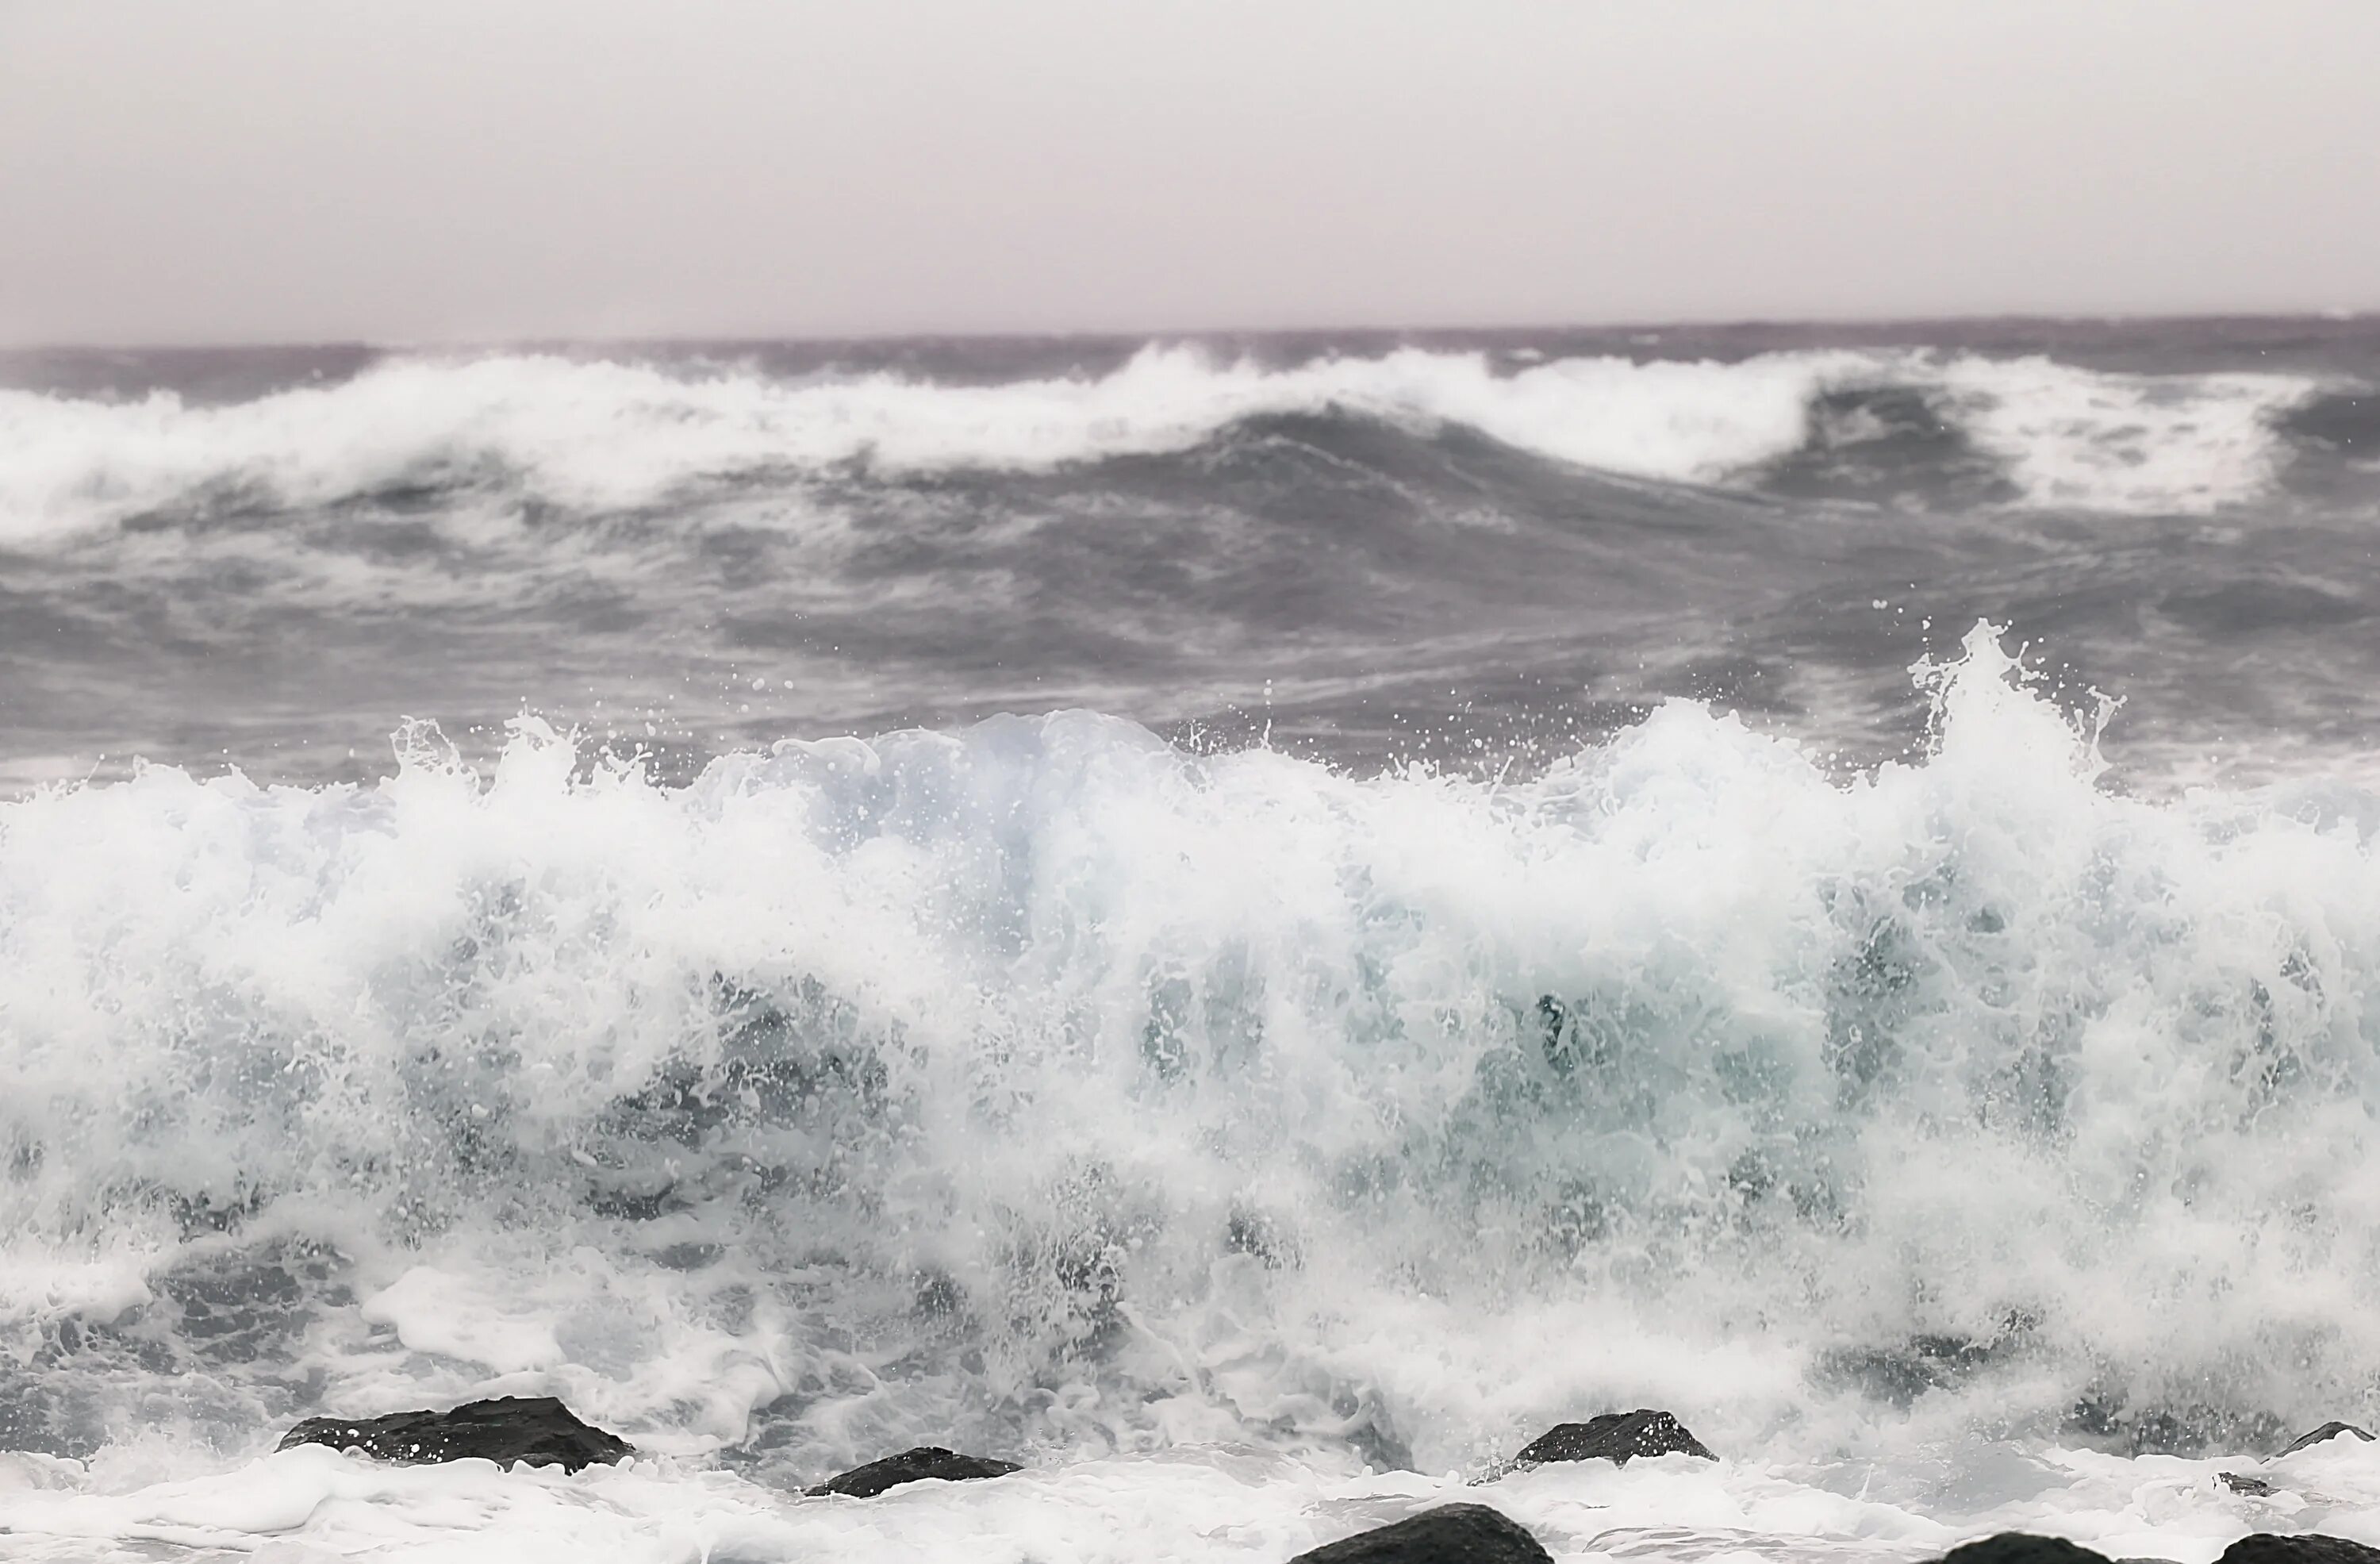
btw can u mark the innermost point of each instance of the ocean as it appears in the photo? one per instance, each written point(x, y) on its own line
point(1246, 923)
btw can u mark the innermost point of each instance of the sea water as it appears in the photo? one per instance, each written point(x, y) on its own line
point(1246, 928)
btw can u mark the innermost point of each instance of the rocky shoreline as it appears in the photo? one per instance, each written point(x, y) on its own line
point(541, 1431)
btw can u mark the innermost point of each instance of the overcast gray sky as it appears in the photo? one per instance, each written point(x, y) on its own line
point(228, 170)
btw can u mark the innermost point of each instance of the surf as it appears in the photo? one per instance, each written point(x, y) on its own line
point(1041, 1087)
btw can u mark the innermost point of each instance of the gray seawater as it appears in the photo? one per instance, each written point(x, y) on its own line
point(670, 545)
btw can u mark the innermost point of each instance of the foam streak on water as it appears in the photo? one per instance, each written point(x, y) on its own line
point(1041, 1089)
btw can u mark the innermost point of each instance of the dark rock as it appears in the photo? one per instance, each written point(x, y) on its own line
point(2327, 1431)
point(533, 1430)
point(1453, 1534)
point(1614, 1437)
point(2255, 1487)
point(2023, 1547)
point(910, 1466)
point(2263, 1547)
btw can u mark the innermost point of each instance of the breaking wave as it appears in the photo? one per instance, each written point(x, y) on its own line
point(1040, 1086)
point(582, 434)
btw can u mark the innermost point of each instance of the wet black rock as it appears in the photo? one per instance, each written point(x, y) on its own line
point(2327, 1431)
point(910, 1466)
point(2263, 1547)
point(530, 1430)
point(1614, 1437)
point(2023, 1547)
point(2255, 1487)
point(1454, 1534)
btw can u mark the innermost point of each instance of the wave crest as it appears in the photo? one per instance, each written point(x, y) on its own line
point(602, 434)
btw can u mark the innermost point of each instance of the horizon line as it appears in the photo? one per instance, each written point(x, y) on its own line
point(2333, 316)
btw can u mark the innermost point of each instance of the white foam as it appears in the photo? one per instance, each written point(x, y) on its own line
point(1213, 1504)
point(451, 1316)
point(2124, 444)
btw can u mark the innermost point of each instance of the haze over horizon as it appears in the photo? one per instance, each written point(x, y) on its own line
point(268, 171)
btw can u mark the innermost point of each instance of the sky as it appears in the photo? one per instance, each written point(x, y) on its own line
point(217, 171)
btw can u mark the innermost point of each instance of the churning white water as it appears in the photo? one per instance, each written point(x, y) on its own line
point(1234, 1140)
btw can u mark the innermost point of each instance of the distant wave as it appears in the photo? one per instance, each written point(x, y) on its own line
point(605, 435)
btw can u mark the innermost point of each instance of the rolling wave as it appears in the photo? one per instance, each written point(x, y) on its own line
point(594, 435)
